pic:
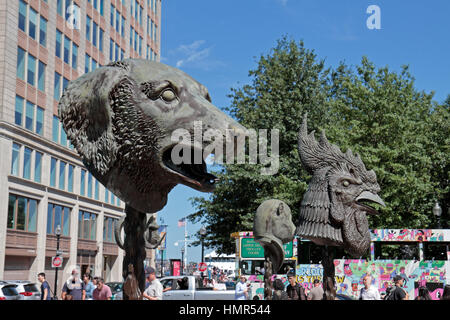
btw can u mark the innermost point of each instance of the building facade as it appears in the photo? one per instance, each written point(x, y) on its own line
point(43, 183)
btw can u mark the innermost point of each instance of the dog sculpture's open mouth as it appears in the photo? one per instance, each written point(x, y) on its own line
point(192, 173)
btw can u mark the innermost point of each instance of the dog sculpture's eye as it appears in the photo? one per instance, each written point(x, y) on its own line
point(168, 95)
point(346, 183)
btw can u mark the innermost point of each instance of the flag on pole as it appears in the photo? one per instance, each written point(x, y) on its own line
point(182, 222)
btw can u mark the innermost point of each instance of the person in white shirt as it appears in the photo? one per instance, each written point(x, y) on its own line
point(369, 292)
point(155, 289)
point(241, 292)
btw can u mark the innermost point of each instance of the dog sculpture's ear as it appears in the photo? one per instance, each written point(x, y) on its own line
point(85, 112)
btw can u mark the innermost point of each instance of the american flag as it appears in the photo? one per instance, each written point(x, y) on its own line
point(182, 222)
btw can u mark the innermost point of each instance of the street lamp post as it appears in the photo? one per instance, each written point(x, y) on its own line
point(58, 235)
point(437, 211)
point(182, 260)
point(202, 234)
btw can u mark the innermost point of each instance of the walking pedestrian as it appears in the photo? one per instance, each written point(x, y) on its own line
point(369, 292)
point(278, 290)
point(73, 288)
point(154, 289)
point(316, 293)
point(423, 294)
point(397, 292)
point(102, 292)
point(294, 290)
point(89, 286)
point(45, 287)
point(446, 293)
point(241, 292)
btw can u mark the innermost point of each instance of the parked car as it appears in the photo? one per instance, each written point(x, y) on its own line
point(8, 291)
point(27, 289)
point(340, 296)
point(193, 289)
point(116, 290)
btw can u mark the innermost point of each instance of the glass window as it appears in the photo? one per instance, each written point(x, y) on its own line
point(18, 110)
point(89, 186)
point(111, 50)
point(53, 172)
point(43, 31)
point(106, 195)
point(11, 211)
point(59, 7)
point(116, 52)
point(66, 49)
point(87, 63)
point(29, 116)
point(37, 166)
point(63, 137)
point(86, 225)
point(58, 43)
point(32, 23)
point(95, 4)
point(70, 178)
point(110, 228)
point(49, 218)
point(21, 213)
point(131, 36)
point(41, 76)
point(39, 120)
point(97, 188)
point(27, 163)
point(32, 212)
point(74, 55)
point(20, 63)
point(94, 34)
point(80, 223)
point(65, 83)
point(112, 198)
point(62, 175)
point(57, 86)
point(68, 12)
point(93, 226)
point(117, 21)
point(55, 129)
point(101, 7)
point(88, 28)
point(66, 219)
point(15, 159)
point(83, 183)
point(31, 69)
point(22, 15)
point(121, 54)
point(111, 15)
point(93, 64)
point(122, 27)
point(100, 40)
point(57, 217)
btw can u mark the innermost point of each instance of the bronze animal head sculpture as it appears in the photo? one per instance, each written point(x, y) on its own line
point(272, 227)
point(120, 118)
point(332, 211)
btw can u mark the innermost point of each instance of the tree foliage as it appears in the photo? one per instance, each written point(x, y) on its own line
point(398, 131)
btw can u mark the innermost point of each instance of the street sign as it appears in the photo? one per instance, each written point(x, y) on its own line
point(252, 249)
point(57, 262)
point(202, 267)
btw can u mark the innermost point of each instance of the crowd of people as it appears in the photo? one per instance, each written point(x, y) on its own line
point(94, 288)
point(295, 291)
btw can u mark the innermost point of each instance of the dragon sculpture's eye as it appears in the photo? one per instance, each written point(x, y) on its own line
point(346, 183)
point(168, 95)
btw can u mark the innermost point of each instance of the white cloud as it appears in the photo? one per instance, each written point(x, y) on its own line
point(194, 55)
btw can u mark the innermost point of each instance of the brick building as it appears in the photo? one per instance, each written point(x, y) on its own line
point(43, 183)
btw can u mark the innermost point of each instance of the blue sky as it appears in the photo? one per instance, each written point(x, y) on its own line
point(218, 42)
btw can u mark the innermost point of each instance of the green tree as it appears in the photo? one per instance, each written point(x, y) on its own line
point(380, 115)
point(285, 84)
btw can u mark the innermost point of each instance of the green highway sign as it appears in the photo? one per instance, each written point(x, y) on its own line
point(252, 249)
